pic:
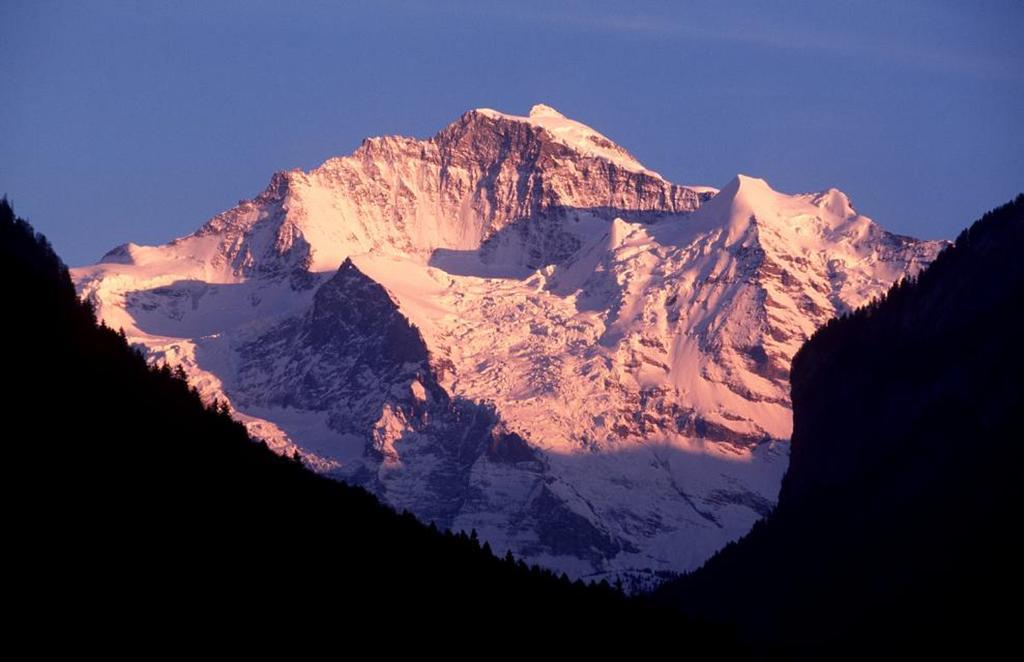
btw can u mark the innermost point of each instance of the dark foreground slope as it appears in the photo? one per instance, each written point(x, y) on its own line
point(130, 504)
point(898, 520)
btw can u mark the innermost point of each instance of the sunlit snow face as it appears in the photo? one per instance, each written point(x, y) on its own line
point(596, 349)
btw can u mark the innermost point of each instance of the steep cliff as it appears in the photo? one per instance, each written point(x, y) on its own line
point(896, 519)
point(524, 279)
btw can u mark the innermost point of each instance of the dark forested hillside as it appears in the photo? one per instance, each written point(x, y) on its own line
point(130, 502)
point(897, 520)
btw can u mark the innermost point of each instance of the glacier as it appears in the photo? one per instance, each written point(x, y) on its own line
point(515, 327)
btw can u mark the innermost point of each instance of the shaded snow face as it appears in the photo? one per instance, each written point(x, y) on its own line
point(515, 327)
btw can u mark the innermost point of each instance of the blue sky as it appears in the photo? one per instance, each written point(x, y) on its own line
point(128, 121)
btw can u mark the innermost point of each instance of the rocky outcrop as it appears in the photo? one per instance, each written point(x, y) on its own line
point(515, 327)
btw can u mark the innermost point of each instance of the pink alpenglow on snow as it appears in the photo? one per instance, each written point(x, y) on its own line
point(514, 326)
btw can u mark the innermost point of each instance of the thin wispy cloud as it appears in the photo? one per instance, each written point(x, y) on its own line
point(815, 39)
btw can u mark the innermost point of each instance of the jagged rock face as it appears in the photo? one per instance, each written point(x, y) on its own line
point(479, 175)
point(341, 356)
point(530, 334)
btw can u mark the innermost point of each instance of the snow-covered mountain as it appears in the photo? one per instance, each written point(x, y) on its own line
point(514, 326)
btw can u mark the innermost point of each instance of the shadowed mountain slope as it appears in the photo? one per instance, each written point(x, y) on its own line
point(898, 517)
point(131, 504)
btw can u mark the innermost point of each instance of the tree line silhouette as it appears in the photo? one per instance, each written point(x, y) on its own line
point(897, 520)
point(133, 503)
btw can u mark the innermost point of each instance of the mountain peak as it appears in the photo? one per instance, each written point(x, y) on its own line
point(486, 264)
point(836, 202)
point(755, 192)
point(542, 110)
point(801, 220)
point(741, 196)
point(746, 185)
point(575, 135)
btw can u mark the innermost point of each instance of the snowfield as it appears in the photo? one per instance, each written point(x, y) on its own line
point(515, 327)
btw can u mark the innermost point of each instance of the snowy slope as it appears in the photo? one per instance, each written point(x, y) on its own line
point(514, 326)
